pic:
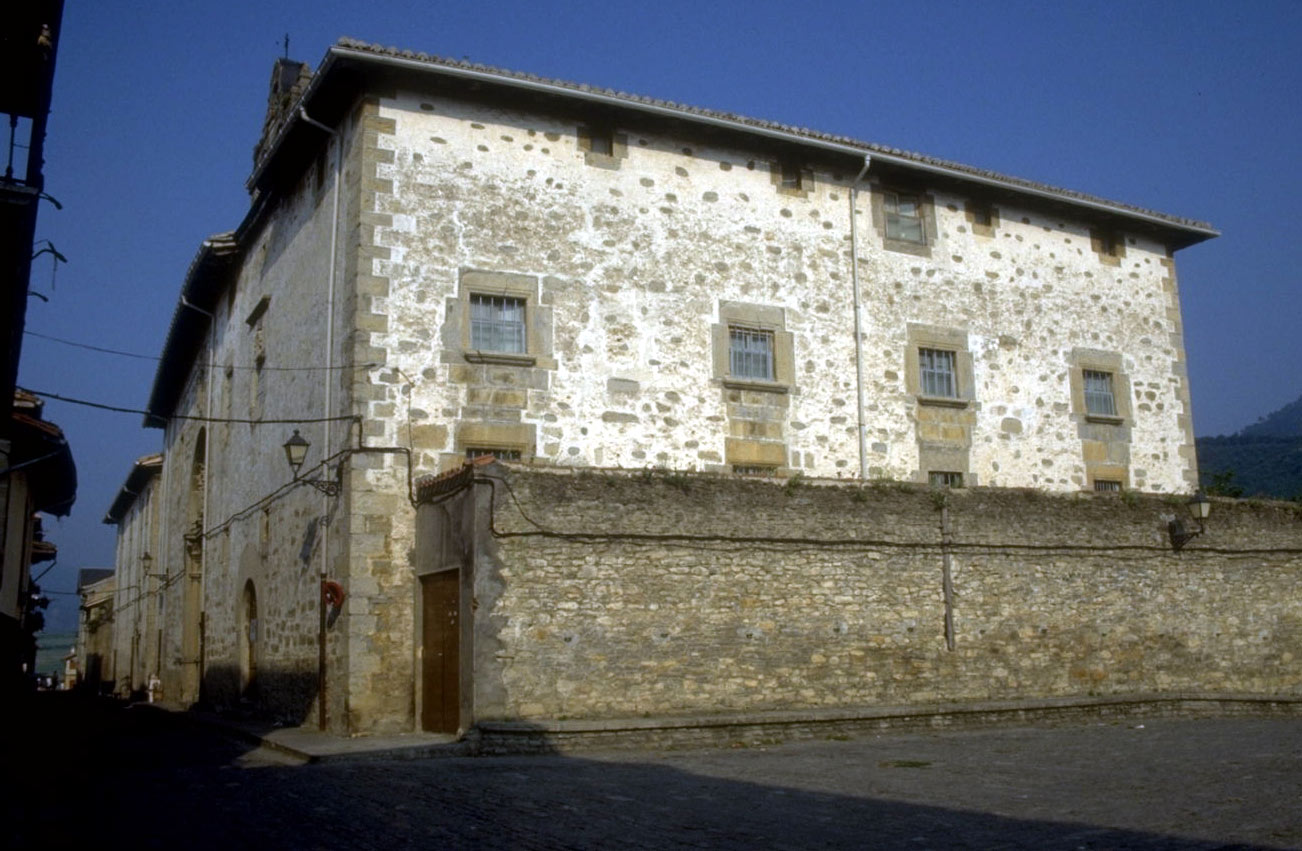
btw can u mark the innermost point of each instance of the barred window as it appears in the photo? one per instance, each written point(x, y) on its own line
point(754, 470)
point(1107, 485)
point(750, 353)
point(497, 324)
point(936, 369)
point(500, 454)
point(945, 479)
point(904, 217)
point(1098, 393)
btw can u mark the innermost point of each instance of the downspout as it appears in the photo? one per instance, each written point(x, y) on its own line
point(858, 320)
point(329, 378)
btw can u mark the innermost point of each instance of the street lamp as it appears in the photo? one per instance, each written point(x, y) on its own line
point(296, 453)
point(1199, 508)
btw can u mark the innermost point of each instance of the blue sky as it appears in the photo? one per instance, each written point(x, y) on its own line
point(1190, 108)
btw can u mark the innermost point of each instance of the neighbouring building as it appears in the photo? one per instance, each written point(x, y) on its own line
point(29, 42)
point(39, 477)
point(95, 656)
point(445, 262)
point(139, 597)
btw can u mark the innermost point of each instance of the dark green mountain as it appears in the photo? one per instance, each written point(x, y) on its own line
point(1286, 422)
point(1263, 459)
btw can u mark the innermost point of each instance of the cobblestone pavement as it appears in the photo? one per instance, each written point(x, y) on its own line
point(102, 775)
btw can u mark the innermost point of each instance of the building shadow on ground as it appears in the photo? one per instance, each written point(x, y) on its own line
point(97, 769)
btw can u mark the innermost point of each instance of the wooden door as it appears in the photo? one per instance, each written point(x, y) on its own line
point(441, 645)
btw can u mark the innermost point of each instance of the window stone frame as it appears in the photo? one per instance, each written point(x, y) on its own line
point(514, 437)
point(759, 317)
point(537, 318)
point(1105, 440)
point(806, 174)
point(1098, 360)
point(618, 146)
point(1100, 238)
point(927, 205)
point(969, 213)
point(941, 339)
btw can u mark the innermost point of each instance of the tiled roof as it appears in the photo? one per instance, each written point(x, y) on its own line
point(436, 62)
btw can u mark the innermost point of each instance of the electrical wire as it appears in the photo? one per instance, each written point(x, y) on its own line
point(124, 410)
point(156, 358)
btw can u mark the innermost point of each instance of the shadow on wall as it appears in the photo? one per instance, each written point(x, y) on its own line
point(276, 694)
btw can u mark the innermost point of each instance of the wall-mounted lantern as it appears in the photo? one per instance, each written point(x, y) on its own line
point(1199, 507)
point(296, 453)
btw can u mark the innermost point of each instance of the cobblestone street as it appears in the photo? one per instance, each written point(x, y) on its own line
point(104, 775)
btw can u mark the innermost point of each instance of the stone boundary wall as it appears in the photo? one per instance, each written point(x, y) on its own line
point(609, 595)
point(759, 729)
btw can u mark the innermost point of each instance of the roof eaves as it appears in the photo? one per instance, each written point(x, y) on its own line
point(1193, 230)
point(183, 338)
point(145, 468)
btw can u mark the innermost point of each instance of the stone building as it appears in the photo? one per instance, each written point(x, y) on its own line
point(39, 477)
point(443, 261)
point(95, 652)
point(138, 594)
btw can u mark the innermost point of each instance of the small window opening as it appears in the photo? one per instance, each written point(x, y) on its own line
point(497, 324)
point(500, 454)
point(904, 217)
point(754, 470)
point(945, 479)
point(750, 353)
point(1107, 485)
point(790, 177)
point(936, 369)
point(1099, 398)
point(982, 215)
point(602, 141)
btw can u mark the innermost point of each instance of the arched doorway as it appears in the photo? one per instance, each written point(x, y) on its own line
point(248, 638)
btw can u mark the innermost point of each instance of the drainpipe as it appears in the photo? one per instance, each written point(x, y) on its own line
point(858, 321)
point(329, 379)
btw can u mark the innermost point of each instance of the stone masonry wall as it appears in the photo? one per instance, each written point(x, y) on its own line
point(260, 533)
point(621, 595)
point(630, 262)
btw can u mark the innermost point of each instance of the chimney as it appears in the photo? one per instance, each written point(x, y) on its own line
point(288, 81)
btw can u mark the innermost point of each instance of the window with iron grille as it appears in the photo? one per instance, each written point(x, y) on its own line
point(944, 479)
point(500, 454)
point(750, 353)
point(936, 371)
point(1107, 485)
point(754, 469)
point(904, 217)
point(497, 324)
point(1098, 393)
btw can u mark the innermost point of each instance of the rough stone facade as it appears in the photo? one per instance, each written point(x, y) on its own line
point(603, 595)
point(632, 267)
point(137, 630)
point(637, 247)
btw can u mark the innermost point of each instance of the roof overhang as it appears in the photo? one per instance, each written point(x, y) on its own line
point(145, 469)
point(191, 318)
point(351, 68)
point(39, 447)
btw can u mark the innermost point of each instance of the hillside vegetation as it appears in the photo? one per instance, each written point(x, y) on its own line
point(1263, 459)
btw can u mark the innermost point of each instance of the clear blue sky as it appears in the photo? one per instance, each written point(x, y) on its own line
point(1190, 108)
